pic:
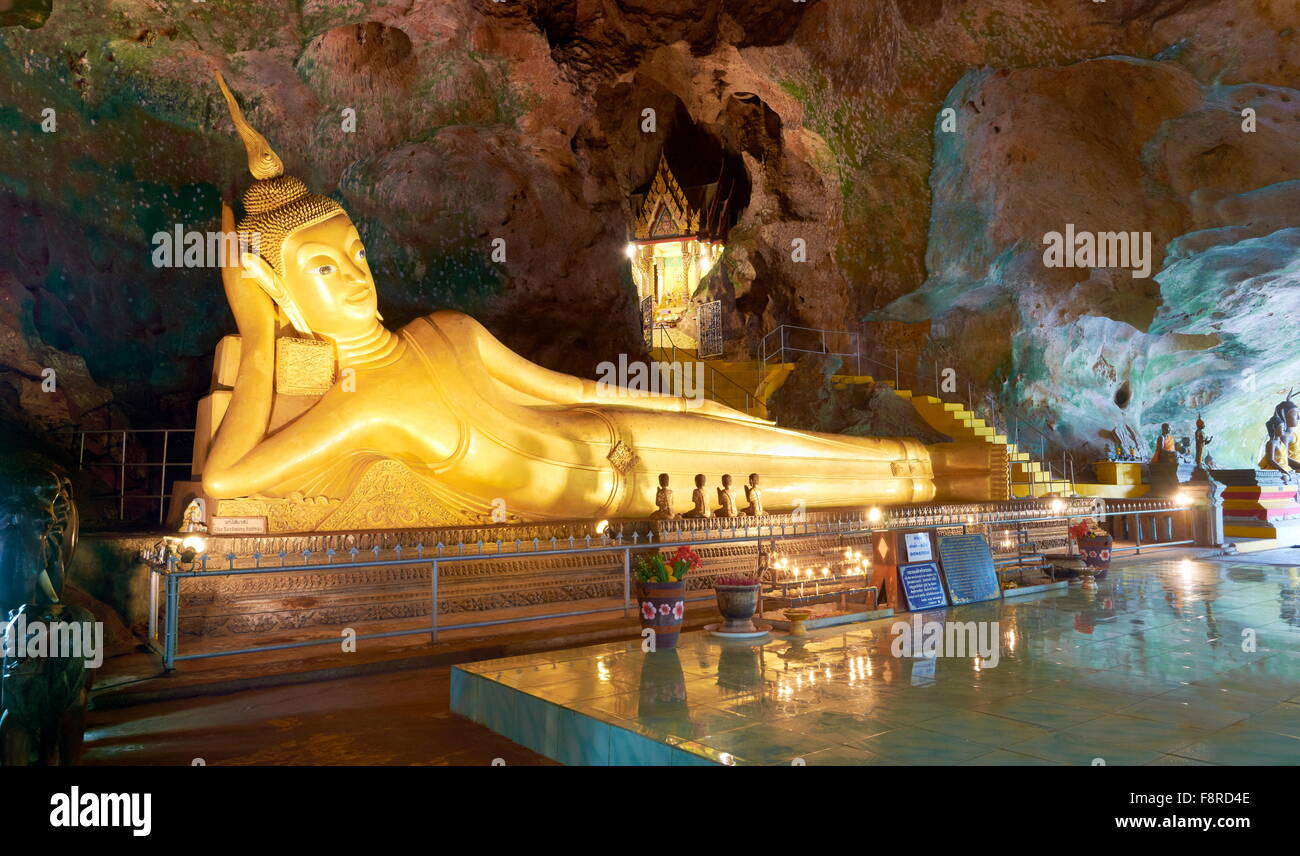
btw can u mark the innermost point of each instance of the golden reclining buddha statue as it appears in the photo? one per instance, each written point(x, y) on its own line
point(439, 423)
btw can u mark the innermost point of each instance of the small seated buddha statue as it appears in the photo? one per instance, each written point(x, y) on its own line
point(726, 502)
point(435, 422)
point(663, 501)
point(699, 500)
point(755, 496)
point(1166, 449)
point(1275, 447)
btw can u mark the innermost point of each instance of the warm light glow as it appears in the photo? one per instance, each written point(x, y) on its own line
point(1182, 500)
point(1057, 506)
point(195, 543)
point(602, 527)
point(631, 251)
point(873, 516)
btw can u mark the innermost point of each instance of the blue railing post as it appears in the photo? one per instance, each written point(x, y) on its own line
point(172, 605)
point(627, 580)
point(433, 609)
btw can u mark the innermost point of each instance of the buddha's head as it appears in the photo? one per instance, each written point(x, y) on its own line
point(1287, 413)
point(302, 248)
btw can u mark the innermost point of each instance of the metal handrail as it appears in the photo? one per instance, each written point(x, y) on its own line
point(1066, 463)
point(714, 373)
point(162, 496)
point(783, 346)
point(856, 524)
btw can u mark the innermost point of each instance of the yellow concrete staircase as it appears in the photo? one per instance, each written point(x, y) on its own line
point(1029, 477)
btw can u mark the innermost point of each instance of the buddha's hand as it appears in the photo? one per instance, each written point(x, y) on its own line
point(252, 307)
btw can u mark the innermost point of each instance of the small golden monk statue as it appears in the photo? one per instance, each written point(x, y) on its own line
point(755, 496)
point(663, 501)
point(699, 499)
point(726, 502)
point(433, 423)
point(193, 520)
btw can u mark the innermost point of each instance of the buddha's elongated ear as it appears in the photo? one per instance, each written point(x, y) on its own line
point(257, 269)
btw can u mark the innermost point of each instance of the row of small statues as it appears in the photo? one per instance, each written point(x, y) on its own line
point(1171, 451)
point(699, 508)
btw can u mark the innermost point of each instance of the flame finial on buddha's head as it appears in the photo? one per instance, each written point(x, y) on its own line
point(276, 205)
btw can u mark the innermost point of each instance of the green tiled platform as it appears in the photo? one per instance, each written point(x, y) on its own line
point(1148, 669)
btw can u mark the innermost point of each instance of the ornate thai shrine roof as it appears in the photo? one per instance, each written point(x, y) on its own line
point(666, 209)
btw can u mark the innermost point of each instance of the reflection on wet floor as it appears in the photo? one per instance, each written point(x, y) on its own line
point(1172, 662)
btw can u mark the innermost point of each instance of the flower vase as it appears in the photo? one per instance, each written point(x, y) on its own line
point(737, 605)
point(662, 607)
point(1095, 552)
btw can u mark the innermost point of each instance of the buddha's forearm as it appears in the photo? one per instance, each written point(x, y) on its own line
point(245, 422)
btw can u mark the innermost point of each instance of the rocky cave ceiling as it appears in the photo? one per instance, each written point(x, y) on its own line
point(522, 120)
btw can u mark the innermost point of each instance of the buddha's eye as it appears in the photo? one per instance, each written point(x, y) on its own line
point(323, 270)
point(361, 254)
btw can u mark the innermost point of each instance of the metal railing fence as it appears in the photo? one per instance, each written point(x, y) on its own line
point(788, 341)
point(155, 447)
point(751, 400)
point(170, 572)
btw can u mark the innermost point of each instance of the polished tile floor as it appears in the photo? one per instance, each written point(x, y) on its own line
point(1167, 662)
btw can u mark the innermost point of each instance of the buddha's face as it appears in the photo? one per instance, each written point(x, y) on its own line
point(327, 278)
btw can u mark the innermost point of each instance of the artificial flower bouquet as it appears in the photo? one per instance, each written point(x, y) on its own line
point(656, 569)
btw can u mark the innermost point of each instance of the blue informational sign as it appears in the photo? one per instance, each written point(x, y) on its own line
point(922, 586)
point(968, 568)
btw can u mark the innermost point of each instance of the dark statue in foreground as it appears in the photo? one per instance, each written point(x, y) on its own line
point(44, 686)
